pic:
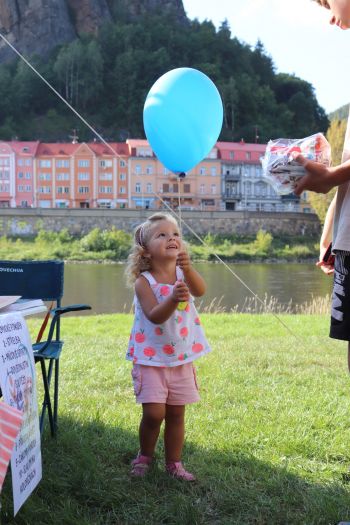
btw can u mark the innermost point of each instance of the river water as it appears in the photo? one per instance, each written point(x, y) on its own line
point(103, 285)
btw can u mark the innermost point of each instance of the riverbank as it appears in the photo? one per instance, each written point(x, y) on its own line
point(268, 441)
point(114, 246)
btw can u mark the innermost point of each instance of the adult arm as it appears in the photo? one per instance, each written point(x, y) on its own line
point(319, 178)
point(326, 237)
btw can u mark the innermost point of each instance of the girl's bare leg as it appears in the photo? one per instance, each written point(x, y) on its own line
point(174, 433)
point(152, 417)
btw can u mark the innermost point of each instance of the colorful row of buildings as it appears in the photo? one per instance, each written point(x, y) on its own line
point(128, 175)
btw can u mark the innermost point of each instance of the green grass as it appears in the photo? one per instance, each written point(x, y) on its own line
point(269, 441)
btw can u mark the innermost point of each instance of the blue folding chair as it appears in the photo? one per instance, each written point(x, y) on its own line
point(42, 280)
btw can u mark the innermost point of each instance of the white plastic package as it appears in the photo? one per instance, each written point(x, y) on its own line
point(279, 166)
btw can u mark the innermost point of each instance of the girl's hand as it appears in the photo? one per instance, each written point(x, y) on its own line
point(183, 261)
point(180, 292)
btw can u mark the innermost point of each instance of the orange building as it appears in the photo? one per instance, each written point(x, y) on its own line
point(86, 175)
point(200, 189)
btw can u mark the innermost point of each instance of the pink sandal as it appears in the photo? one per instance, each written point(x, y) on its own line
point(177, 470)
point(140, 465)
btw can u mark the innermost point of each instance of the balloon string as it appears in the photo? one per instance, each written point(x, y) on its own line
point(179, 203)
point(226, 265)
point(59, 95)
point(179, 215)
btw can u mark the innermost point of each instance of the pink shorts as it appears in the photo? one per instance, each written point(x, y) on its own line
point(172, 386)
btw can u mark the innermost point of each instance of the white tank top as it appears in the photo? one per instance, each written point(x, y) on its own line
point(177, 341)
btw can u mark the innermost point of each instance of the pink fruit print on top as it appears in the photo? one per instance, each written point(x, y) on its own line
point(169, 349)
point(131, 351)
point(134, 360)
point(184, 332)
point(197, 321)
point(164, 291)
point(187, 309)
point(140, 336)
point(149, 352)
point(182, 357)
point(197, 347)
point(158, 330)
point(178, 319)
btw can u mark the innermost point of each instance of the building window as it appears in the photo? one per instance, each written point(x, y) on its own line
point(44, 176)
point(28, 187)
point(62, 176)
point(149, 170)
point(105, 189)
point(138, 187)
point(45, 163)
point(232, 155)
point(187, 188)
point(165, 188)
point(213, 188)
point(20, 162)
point(44, 189)
point(175, 188)
point(83, 163)
point(145, 153)
point(165, 171)
point(149, 187)
point(28, 175)
point(106, 176)
point(62, 163)
point(106, 163)
point(202, 189)
point(122, 164)
point(122, 189)
point(28, 162)
point(20, 174)
point(202, 171)
point(213, 171)
point(122, 176)
point(83, 176)
point(20, 188)
point(63, 189)
point(83, 189)
point(248, 155)
point(138, 169)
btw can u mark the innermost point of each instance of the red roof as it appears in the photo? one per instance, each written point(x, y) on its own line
point(240, 150)
point(24, 148)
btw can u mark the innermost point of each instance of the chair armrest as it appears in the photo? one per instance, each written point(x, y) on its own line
point(71, 308)
point(56, 312)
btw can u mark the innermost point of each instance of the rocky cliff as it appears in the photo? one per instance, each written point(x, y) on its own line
point(37, 26)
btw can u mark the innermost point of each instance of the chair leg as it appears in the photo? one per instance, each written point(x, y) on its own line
point(55, 402)
point(47, 400)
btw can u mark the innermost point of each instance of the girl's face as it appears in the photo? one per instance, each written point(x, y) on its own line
point(340, 12)
point(165, 241)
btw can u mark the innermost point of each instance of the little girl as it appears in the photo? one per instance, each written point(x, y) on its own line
point(166, 338)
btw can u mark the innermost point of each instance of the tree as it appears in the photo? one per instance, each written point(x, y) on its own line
point(335, 136)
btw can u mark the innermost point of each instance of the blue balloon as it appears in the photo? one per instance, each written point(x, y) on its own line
point(182, 118)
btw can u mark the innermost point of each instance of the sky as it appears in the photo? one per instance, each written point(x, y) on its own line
point(295, 33)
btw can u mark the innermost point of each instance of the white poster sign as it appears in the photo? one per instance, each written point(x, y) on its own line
point(18, 385)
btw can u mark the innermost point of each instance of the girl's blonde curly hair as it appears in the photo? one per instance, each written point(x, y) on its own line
point(137, 262)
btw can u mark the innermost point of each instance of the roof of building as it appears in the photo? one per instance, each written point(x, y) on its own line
point(24, 148)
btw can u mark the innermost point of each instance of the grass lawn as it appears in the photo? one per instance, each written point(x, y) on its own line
point(269, 442)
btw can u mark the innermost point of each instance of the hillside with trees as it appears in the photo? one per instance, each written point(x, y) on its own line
point(106, 77)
